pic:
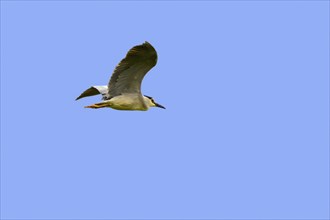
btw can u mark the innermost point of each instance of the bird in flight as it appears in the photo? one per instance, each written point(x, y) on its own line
point(123, 91)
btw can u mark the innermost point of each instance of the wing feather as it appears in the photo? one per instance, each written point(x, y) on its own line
point(129, 73)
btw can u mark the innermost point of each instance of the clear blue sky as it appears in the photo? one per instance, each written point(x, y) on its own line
point(246, 129)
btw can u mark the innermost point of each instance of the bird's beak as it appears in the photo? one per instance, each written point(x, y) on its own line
point(159, 106)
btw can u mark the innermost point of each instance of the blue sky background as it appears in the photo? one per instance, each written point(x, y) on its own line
point(246, 129)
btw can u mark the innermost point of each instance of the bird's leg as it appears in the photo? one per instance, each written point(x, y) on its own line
point(99, 105)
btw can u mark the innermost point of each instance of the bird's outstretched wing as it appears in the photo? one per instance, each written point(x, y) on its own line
point(94, 90)
point(128, 75)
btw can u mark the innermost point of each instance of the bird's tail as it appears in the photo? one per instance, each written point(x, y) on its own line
point(98, 105)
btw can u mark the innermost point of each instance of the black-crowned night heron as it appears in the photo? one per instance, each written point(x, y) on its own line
point(123, 91)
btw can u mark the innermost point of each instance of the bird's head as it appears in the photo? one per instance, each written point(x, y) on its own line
point(151, 102)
